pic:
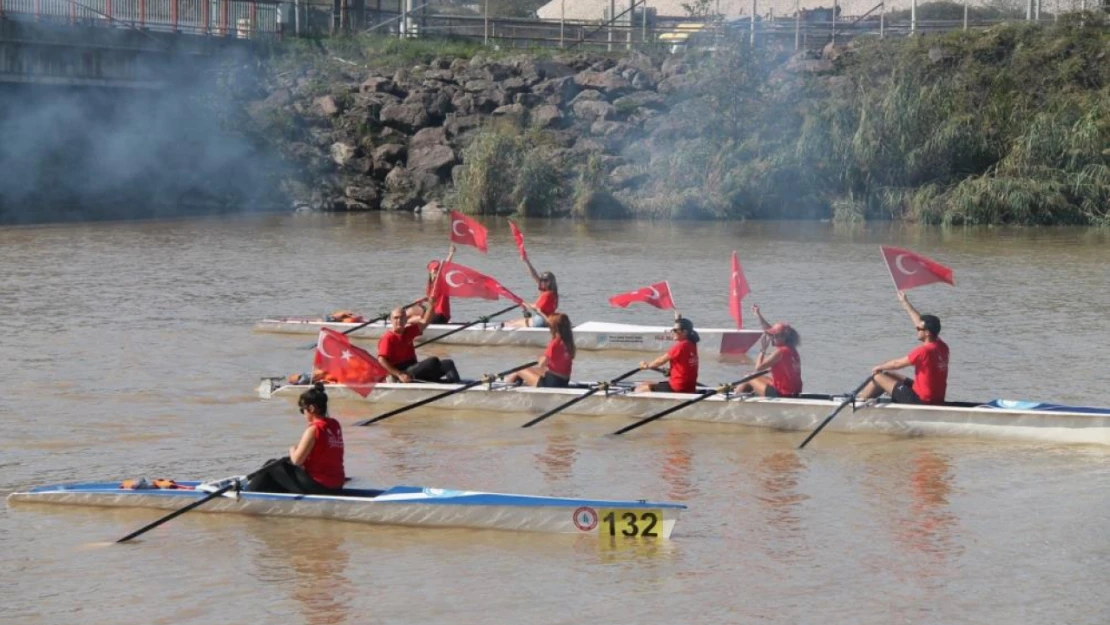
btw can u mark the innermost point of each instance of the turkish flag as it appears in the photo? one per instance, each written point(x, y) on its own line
point(737, 289)
point(658, 295)
point(459, 281)
point(910, 269)
point(467, 231)
point(340, 362)
point(519, 238)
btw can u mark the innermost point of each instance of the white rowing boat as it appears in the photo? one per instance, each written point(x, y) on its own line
point(998, 419)
point(592, 335)
point(400, 505)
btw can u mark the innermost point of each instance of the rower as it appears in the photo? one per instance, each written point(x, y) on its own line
point(784, 365)
point(315, 464)
point(553, 369)
point(442, 308)
point(397, 350)
point(683, 357)
point(547, 303)
point(930, 365)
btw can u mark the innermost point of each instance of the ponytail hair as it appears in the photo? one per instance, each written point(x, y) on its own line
point(560, 327)
point(316, 397)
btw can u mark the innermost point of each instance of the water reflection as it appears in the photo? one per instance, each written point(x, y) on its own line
point(678, 467)
point(913, 495)
point(930, 523)
point(777, 477)
point(309, 563)
point(556, 461)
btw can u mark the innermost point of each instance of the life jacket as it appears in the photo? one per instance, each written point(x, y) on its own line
point(142, 483)
point(344, 316)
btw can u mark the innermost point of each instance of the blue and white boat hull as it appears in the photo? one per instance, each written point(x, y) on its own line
point(402, 505)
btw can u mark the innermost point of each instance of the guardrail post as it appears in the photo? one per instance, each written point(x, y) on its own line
point(173, 15)
point(142, 13)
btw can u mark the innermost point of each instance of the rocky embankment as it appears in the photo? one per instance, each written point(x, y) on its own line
point(398, 140)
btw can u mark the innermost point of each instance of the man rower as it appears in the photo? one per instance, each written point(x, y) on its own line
point(397, 350)
point(683, 357)
point(930, 365)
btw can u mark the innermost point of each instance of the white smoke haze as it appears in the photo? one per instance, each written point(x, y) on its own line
point(69, 153)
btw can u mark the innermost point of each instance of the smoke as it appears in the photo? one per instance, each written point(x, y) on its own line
point(71, 153)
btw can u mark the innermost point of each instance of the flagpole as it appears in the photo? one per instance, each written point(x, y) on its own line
point(888, 270)
point(668, 283)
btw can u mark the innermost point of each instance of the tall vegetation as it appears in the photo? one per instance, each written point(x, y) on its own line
point(1008, 125)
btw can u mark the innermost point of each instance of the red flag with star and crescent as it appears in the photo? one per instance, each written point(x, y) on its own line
point(737, 289)
point(338, 361)
point(467, 231)
point(459, 281)
point(910, 269)
point(658, 295)
point(518, 236)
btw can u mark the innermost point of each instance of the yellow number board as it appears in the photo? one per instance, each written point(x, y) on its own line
point(631, 523)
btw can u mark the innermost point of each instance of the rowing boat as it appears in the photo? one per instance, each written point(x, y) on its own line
point(998, 419)
point(592, 335)
point(400, 505)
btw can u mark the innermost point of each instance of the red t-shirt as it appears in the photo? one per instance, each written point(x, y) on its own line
point(398, 349)
point(930, 371)
point(684, 367)
point(558, 358)
point(548, 302)
point(786, 373)
point(325, 462)
point(443, 304)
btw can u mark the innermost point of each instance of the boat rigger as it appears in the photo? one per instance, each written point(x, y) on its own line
point(592, 335)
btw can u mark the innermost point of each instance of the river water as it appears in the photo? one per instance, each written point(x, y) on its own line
point(129, 352)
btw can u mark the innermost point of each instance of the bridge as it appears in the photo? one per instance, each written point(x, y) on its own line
point(123, 43)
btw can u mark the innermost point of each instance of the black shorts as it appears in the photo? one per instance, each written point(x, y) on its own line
point(902, 393)
point(550, 380)
point(440, 318)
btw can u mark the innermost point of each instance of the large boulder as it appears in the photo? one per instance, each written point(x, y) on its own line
point(609, 83)
point(557, 91)
point(378, 84)
point(593, 110)
point(341, 153)
point(367, 196)
point(547, 116)
point(427, 137)
point(326, 106)
point(432, 159)
point(408, 117)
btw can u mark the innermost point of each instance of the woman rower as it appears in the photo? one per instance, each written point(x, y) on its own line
point(683, 357)
point(547, 302)
point(553, 370)
point(784, 378)
point(315, 463)
point(441, 311)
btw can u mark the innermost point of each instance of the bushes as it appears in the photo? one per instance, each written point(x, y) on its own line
point(504, 170)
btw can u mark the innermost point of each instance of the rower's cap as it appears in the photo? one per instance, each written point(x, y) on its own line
point(433, 265)
point(781, 326)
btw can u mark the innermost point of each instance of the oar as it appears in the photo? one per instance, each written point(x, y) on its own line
point(196, 504)
point(724, 388)
point(364, 324)
point(851, 397)
point(428, 400)
point(465, 326)
point(598, 387)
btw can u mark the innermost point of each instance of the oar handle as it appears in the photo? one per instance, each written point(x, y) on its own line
point(427, 400)
point(196, 504)
point(467, 325)
point(851, 397)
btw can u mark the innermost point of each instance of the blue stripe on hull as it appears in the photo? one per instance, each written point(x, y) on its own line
point(420, 496)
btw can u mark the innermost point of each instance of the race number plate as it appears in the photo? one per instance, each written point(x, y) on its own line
point(638, 522)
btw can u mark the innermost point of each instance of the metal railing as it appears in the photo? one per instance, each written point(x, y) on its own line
point(240, 19)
